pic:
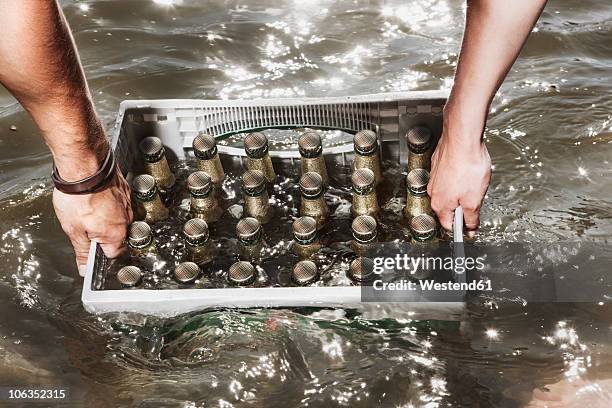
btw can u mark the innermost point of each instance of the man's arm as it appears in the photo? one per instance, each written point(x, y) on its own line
point(495, 32)
point(39, 65)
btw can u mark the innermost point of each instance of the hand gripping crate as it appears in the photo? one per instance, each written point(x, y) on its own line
point(177, 122)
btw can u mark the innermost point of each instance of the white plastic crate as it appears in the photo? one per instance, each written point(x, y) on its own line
point(177, 122)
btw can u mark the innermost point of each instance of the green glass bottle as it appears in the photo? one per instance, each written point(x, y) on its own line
point(204, 203)
point(365, 144)
point(207, 156)
point(129, 276)
point(361, 270)
point(258, 157)
point(197, 242)
point(156, 163)
point(250, 232)
point(365, 201)
point(146, 194)
point(242, 273)
point(313, 199)
point(364, 229)
point(424, 229)
point(305, 273)
point(311, 151)
point(256, 199)
point(186, 272)
point(140, 240)
point(420, 143)
point(417, 200)
point(305, 237)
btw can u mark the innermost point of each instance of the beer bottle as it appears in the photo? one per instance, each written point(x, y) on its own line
point(305, 237)
point(140, 240)
point(313, 200)
point(197, 242)
point(208, 161)
point(365, 201)
point(420, 141)
point(250, 233)
point(365, 144)
point(305, 273)
point(204, 202)
point(186, 272)
point(361, 270)
point(156, 163)
point(129, 276)
point(147, 195)
point(242, 273)
point(417, 200)
point(364, 234)
point(311, 150)
point(423, 228)
point(256, 200)
point(258, 157)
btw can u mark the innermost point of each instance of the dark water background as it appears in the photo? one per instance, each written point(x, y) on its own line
point(550, 137)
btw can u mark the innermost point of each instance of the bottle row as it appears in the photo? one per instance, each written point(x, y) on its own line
point(367, 174)
point(244, 273)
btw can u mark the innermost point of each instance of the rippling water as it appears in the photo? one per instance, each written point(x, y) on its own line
point(550, 137)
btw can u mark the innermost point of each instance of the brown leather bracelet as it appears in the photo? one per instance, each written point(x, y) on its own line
point(98, 181)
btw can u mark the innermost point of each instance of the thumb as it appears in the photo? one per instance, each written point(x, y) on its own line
point(471, 219)
point(80, 243)
point(112, 240)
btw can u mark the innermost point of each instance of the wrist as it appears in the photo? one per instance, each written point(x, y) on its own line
point(81, 161)
point(78, 147)
point(464, 124)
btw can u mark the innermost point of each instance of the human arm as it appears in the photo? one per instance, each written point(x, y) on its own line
point(495, 32)
point(40, 66)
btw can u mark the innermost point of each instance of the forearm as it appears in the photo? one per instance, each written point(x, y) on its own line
point(40, 66)
point(495, 32)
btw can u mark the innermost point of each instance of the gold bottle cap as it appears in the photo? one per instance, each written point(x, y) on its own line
point(363, 181)
point(186, 272)
point(242, 273)
point(152, 148)
point(304, 229)
point(365, 142)
point(256, 145)
point(196, 231)
point(423, 227)
point(129, 275)
point(144, 186)
point(309, 145)
point(419, 139)
point(204, 146)
point(311, 184)
point(139, 234)
point(253, 182)
point(417, 181)
point(199, 183)
point(248, 230)
point(364, 228)
point(361, 269)
point(305, 273)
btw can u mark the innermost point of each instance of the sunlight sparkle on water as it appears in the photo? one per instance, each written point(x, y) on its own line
point(493, 334)
point(168, 3)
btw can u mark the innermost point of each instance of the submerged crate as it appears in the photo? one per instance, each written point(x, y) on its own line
point(177, 122)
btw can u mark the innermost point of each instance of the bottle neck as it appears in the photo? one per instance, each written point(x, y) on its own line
point(148, 197)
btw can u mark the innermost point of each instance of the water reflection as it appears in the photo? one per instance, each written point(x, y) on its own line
point(549, 136)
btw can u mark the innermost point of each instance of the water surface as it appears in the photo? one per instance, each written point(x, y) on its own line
point(550, 137)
